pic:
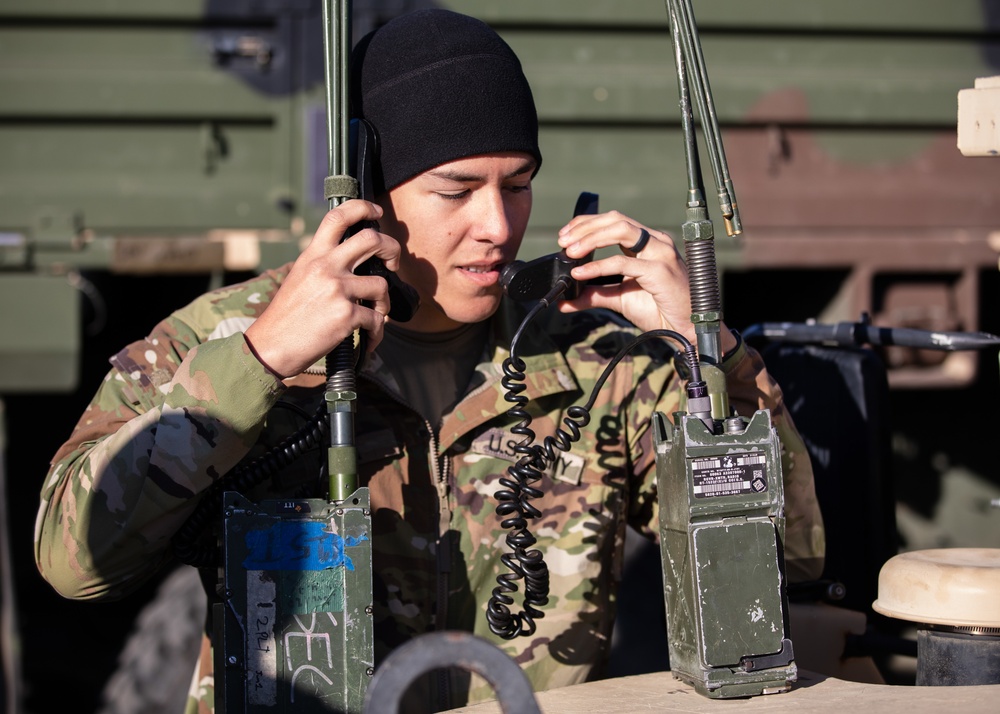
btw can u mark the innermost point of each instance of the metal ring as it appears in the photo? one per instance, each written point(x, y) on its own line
point(641, 243)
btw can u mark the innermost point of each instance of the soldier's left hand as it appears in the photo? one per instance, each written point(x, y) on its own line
point(653, 293)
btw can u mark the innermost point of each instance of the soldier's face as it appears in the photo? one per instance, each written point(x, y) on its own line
point(459, 224)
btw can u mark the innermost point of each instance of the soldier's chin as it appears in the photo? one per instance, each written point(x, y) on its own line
point(476, 310)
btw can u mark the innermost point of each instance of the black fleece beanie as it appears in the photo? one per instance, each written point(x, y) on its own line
point(439, 86)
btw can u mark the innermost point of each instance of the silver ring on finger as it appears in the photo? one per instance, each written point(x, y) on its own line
point(641, 243)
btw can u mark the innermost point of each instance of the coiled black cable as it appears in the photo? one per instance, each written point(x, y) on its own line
point(514, 507)
point(185, 542)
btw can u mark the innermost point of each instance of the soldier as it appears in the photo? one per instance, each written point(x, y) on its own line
point(224, 379)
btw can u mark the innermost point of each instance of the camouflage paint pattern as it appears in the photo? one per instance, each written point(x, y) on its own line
point(184, 406)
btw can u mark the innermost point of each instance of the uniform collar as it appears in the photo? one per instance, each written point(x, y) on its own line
point(546, 373)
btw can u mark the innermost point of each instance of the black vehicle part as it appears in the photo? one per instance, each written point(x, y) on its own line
point(857, 334)
point(954, 658)
point(11, 684)
point(438, 650)
point(845, 426)
point(159, 657)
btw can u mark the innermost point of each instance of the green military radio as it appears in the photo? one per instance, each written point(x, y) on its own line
point(718, 476)
point(721, 527)
point(293, 625)
point(294, 629)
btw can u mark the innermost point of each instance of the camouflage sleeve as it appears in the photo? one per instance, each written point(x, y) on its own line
point(171, 416)
point(750, 388)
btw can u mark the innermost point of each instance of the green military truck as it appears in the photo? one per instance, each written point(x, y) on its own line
point(150, 150)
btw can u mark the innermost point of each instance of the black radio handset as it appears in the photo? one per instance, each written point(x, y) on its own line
point(525, 282)
point(403, 298)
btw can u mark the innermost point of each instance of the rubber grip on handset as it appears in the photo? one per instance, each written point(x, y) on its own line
point(524, 282)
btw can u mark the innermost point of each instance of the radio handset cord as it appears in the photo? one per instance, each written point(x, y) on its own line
point(518, 490)
point(544, 281)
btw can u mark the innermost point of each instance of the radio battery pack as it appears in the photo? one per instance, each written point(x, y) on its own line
point(294, 631)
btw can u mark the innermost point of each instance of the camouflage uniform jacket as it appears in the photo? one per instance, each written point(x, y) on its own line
point(187, 404)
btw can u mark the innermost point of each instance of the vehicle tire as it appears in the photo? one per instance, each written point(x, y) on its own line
point(158, 659)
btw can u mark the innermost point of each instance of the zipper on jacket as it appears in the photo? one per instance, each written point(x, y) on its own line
point(443, 551)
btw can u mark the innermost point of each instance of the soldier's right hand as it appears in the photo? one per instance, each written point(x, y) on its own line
point(319, 303)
